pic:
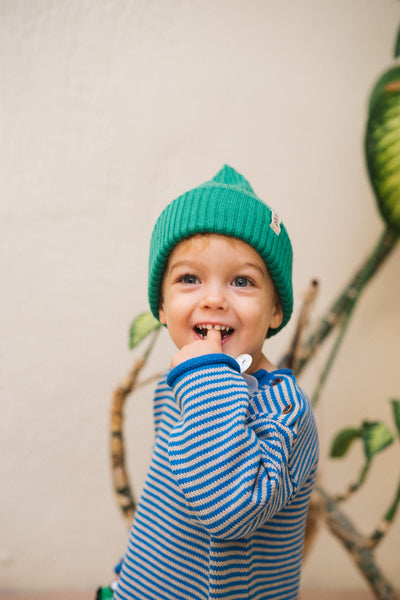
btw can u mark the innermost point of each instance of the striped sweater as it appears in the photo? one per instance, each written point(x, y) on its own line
point(223, 509)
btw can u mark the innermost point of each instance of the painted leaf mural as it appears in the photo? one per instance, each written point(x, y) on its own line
point(382, 144)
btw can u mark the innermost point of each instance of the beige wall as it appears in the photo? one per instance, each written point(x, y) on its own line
point(108, 110)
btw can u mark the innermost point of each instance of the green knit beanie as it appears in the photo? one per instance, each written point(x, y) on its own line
point(226, 205)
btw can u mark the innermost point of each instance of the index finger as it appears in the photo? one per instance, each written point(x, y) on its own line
point(214, 335)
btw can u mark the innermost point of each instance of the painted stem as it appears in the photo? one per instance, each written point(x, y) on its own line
point(357, 546)
point(123, 493)
point(290, 360)
point(381, 531)
point(347, 299)
point(332, 355)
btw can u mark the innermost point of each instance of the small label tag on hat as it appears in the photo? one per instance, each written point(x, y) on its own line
point(275, 222)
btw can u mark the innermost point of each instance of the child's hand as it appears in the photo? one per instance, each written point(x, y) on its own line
point(211, 345)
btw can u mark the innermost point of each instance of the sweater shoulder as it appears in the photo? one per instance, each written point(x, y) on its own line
point(280, 399)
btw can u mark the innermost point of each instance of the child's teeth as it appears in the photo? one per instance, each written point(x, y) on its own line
point(208, 326)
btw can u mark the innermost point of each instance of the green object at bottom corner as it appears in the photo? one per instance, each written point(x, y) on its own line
point(104, 593)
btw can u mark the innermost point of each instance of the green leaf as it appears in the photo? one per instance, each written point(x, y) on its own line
point(382, 145)
point(376, 437)
point(396, 414)
point(343, 441)
point(379, 90)
point(141, 327)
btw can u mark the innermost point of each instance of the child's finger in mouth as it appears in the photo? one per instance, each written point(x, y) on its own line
point(223, 331)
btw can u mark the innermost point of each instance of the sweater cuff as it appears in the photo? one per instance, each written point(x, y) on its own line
point(193, 364)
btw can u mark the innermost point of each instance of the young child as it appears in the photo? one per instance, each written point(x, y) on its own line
point(223, 509)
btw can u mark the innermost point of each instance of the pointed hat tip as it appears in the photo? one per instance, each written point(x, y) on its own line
point(229, 176)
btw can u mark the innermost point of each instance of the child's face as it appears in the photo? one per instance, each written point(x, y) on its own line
point(213, 280)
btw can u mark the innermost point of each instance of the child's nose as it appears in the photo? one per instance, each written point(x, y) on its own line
point(214, 297)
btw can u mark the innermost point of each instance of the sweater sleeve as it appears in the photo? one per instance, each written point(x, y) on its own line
point(235, 471)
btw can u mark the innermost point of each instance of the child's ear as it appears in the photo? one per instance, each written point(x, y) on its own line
point(161, 314)
point(277, 315)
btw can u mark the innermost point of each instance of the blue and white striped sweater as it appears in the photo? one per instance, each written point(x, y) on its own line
point(223, 509)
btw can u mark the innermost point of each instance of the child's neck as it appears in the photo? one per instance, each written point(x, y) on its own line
point(264, 363)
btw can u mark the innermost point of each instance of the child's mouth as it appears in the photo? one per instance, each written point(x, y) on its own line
point(203, 328)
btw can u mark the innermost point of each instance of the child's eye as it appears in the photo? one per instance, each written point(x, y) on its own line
point(241, 281)
point(189, 279)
